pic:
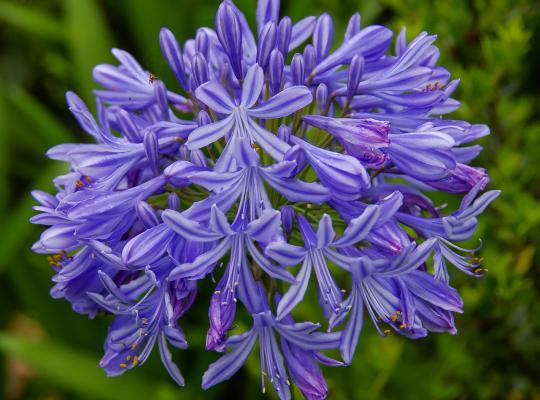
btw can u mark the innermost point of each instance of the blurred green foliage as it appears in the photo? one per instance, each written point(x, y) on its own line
point(48, 352)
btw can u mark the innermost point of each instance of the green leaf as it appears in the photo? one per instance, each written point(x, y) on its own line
point(48, 129)
point(89, 42)
point(4, 158)
point(15, 230)
point(32, 20)
point(78, 372)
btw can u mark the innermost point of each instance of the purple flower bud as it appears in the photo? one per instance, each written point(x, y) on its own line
point(198, 158)
point(127, 126)
point(363, 139)
point(221, 314)
point(199, 68)
point(229, 33)
point(202, 43)
point(146, 214)
point(184, 153)
point(275, 71)
point(267, 11)
point(160, 91)
point(182, 297)
point(353, 27)
point(173, 201)
point(172, 53)
point(321, 95)
point(284, 133)
point(284, 35)
point(462, 179)
point(192, 84)
point(356, 69)
point(305, 372)
point(287, 219)
point(310, 59)
point(323, 36)
point(151, 148)
point(203, 118)
point(267, 42)
point(297, 69)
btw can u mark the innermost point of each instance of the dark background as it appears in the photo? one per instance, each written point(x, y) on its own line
point(49, 352)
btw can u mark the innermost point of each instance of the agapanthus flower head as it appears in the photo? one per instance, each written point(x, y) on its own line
point(271, 167)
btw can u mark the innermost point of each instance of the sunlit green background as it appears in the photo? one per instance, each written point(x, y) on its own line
point(48, 352)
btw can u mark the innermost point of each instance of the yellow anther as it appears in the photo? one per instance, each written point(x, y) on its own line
point(398, 312)
point(393, 317)
point(135, 361)
point(387, 331)
point(478, 270)
point(403, 326)
point(122, 365)
point(179, 140)
point(128, 358)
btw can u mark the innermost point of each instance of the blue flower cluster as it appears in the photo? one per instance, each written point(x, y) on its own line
point(281, 164)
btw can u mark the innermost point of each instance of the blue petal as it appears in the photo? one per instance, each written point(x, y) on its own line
point(274, 271)
point(219, 223)
point(284, 253)
point(352, 330)
point(296, 190)
point(188, 229)
point(359, 227)
point(415, 258)
point(296, 292)
point(166, 358)
point(325, 231)
point(202, 264)
point(252, 87)
point(147, 247)
point(216, 97)
point(285, 103)
point(266, 227)
point(210, 133)
point(301, 31)
point(231, 362)
point(269, 142)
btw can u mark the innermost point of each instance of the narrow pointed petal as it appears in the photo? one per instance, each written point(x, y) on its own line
point(229, 363)
point(214, 96)
point(284, 253)
point(359, 227)
point(296, 292)
point(253, 85)
point(284, 103)
point(188, 229)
